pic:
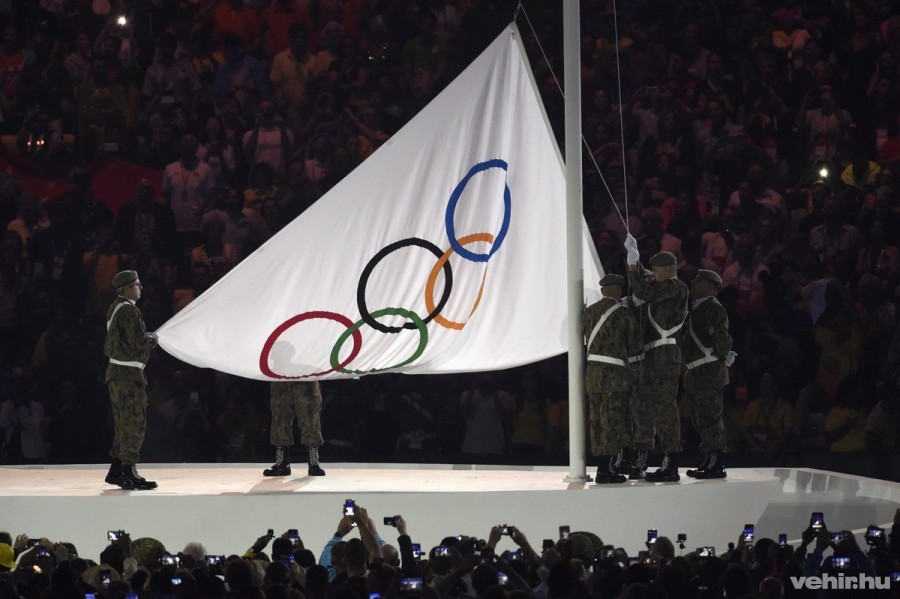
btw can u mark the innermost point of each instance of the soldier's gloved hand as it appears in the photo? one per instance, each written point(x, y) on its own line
point(631, 247)
point(634, 300)
point(153, 337)
point(729, 358)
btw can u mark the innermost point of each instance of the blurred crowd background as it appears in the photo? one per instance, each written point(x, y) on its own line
point(758, 139)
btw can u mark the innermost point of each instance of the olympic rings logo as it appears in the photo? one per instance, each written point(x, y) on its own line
point(433, 305)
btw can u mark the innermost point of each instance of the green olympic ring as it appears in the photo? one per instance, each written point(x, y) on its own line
point(420, 325)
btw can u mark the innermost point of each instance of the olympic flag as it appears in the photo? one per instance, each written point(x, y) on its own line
point(443, 252)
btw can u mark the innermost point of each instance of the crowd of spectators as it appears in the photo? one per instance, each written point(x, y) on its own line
point(761, 140)
point(579, 565)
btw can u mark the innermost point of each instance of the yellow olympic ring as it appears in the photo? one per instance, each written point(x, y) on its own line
point(432, 279)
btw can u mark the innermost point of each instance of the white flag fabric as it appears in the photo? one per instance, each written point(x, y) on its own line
point(445, 251)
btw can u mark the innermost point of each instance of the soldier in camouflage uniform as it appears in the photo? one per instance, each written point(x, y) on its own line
point(128, 348)
point(301, 400)
point(611, 334)
point(707, 349)
point(662, 315)
point(634, 462)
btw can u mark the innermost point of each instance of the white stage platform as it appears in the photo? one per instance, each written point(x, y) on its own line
point(227, 506)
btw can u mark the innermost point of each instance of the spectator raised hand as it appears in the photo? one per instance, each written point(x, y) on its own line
point(259, 545)
point(367, 533)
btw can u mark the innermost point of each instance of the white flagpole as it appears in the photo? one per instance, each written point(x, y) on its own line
point(574, 218)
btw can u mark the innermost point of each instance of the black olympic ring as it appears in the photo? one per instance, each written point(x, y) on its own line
point(367, 271)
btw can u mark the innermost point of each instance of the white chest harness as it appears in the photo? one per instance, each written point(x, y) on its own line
point(665, 336)
point(600, 357)
point(132, 364)
point(708, 356)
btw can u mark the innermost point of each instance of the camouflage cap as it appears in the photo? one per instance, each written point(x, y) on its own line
point(612, 279)
point(663, 259)
point(126, 277)
point(711, 276)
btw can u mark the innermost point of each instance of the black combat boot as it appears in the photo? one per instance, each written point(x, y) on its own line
point(714, 469)
point(667, 472)
point(703, 466)
point(114, 476)
point(143, 484)
point(639, 468)
point(282, 465)
point(314, 468)
point(132, 481)
point(606, 472)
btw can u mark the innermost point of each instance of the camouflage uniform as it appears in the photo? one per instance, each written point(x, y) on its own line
point(610, 386)
point(296, 399)
point(655, 403)
point(707, 331)
point(127, 342)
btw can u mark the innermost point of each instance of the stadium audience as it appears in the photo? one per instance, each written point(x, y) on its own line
point(462, 566)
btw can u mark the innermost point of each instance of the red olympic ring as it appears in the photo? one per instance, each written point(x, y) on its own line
point(273, 337)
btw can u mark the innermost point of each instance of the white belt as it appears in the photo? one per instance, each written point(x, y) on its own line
point(661, 342)
point(124, 363)
point(605, 359)
point(701, 362)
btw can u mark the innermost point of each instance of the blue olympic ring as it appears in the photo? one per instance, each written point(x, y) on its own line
point(451, 211)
